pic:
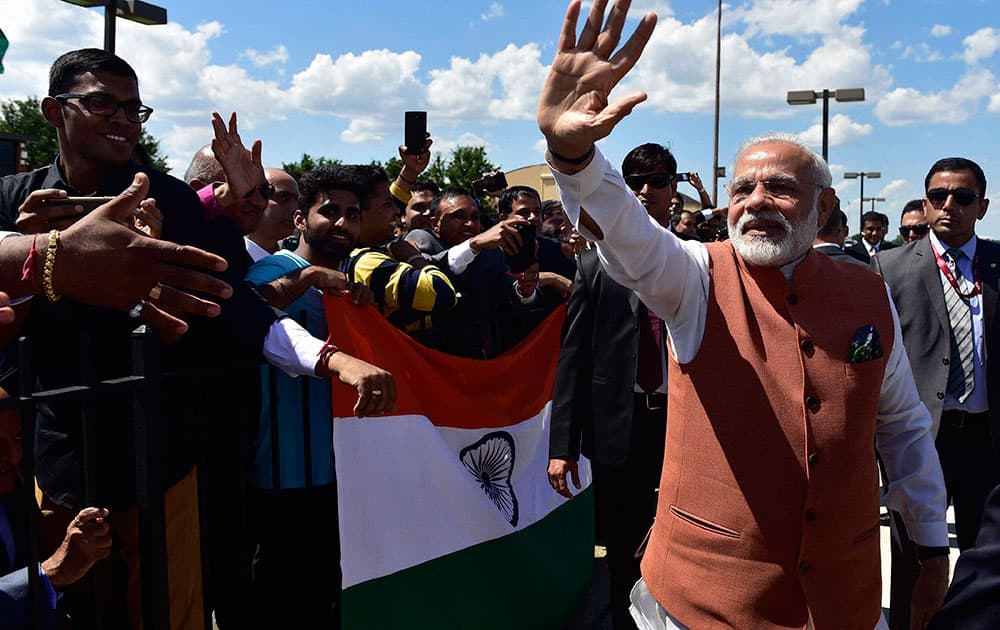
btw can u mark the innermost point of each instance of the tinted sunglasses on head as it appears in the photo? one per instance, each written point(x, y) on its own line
point(655, 180)
point(265, 190)
point(917, 230)
point(963, 196)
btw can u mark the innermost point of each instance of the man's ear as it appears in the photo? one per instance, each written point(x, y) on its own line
point(827, 202)
point(52, 111)
point(436, 224)
point(300, 220)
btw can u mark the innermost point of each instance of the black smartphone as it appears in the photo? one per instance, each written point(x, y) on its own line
point(88, 203)
point(525, 257)
point(683, 177)
point(415, 132)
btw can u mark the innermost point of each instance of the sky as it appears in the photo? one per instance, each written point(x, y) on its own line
point(334, 78)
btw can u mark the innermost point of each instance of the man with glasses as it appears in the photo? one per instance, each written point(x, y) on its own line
point(913, 222)
point(945, 287)
point(784, 368)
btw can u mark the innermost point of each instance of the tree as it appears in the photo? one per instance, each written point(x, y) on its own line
point(24, 117)
point(467, 164)
point(307, 163)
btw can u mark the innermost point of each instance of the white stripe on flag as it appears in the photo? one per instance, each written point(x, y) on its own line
point(406, 497)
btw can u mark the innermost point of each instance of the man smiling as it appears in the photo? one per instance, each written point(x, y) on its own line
point(767, 511)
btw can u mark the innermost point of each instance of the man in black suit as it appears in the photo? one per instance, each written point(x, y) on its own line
point(973, 599)
point(945, 288)
point(608, 402)
point(874, 227)
point(830, 238)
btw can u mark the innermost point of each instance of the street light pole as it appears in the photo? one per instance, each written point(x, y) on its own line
point(132, 10)
point(861, 197)
point(808, 97)
point(718, 66)
point(873, 200)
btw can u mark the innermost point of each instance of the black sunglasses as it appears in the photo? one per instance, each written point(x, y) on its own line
point(655, 180)
point(106, 106)
point(265, 190)
point(919, 230)
point(963, 196)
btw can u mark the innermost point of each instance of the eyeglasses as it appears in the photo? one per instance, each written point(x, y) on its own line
point(776, 188)
point(963, 196)
point(105, 105)
point(655, 180)
point(265, 190)
point(916, 230)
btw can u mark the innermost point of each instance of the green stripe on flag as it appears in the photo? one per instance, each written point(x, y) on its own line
point(534, 578)
point(3, 48)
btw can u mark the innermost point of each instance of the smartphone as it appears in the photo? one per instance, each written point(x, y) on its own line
point(415, 132)
point(683, 177)
point(88, 203)
point(490, 183)
point(525, 257)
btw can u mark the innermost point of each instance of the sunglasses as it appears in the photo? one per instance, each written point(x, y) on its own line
point(655, 180)
point(963, 196)
point(917, 230)
point(265, 190)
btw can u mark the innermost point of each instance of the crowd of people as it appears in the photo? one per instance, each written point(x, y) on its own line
point(756, 508)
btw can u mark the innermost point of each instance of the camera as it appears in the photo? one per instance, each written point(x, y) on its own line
point(490, 184)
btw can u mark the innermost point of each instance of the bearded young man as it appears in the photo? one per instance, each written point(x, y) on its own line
point(768, 502)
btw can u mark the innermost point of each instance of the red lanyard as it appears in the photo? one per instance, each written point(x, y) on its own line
point(977, 285)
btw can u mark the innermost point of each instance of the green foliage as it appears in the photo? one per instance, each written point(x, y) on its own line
point(24, 117)
point(466, 165)
point(307, 163)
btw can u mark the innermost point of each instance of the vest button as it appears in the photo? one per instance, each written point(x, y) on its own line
point(814, 459)
point(946, 361)
point(810, 514)
point(803, 567)
point(793, 299)
point(812, 403)
point(940, 395)
point(807, 347)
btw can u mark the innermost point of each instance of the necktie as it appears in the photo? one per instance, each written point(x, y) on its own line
point(961, 379)
point(649, 371)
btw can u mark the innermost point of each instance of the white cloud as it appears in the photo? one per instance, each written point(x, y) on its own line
point(907, 106)
point(940, 30)
point(981, 45)
point(796, 18)
point(495, 11)
point(922, 52)
point(444, 144)
point(502, 86)
point(677, 69)
point(259, 59)
point(994, 106)
point(842, 130)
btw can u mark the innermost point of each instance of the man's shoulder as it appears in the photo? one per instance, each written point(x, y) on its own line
point(426, 242)
point(274, 266)
point(13, 191)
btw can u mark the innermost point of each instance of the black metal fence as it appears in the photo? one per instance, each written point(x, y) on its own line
point(146, 386)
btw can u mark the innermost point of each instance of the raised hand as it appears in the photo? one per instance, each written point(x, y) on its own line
point(573, 110)
point(244, 169)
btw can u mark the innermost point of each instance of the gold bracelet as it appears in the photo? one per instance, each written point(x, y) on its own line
point(50, 266)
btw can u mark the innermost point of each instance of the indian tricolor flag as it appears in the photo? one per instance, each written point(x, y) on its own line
point(447, 519)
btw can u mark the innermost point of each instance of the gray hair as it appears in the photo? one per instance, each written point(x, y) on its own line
point(820, 169)
point(204, 167)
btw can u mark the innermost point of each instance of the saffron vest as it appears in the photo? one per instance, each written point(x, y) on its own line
point(768, 508)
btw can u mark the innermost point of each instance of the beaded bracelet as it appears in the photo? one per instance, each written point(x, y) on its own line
point(50, 266)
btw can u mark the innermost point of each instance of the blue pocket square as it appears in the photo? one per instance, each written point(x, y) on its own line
point(866, 345)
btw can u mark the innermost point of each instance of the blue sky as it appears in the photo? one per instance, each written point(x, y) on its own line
point(333, 78)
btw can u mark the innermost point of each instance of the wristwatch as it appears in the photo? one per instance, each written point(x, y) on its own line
point(926, 553)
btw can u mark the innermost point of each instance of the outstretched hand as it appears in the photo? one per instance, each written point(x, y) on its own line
point(573, 110)
point(103, 262)
point(243, 167)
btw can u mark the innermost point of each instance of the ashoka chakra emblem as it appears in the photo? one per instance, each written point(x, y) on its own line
point(491, 462)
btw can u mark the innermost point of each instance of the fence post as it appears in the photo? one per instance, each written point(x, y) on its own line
point(147, 397)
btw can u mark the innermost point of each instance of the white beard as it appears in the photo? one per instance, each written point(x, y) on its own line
point(764, 251)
